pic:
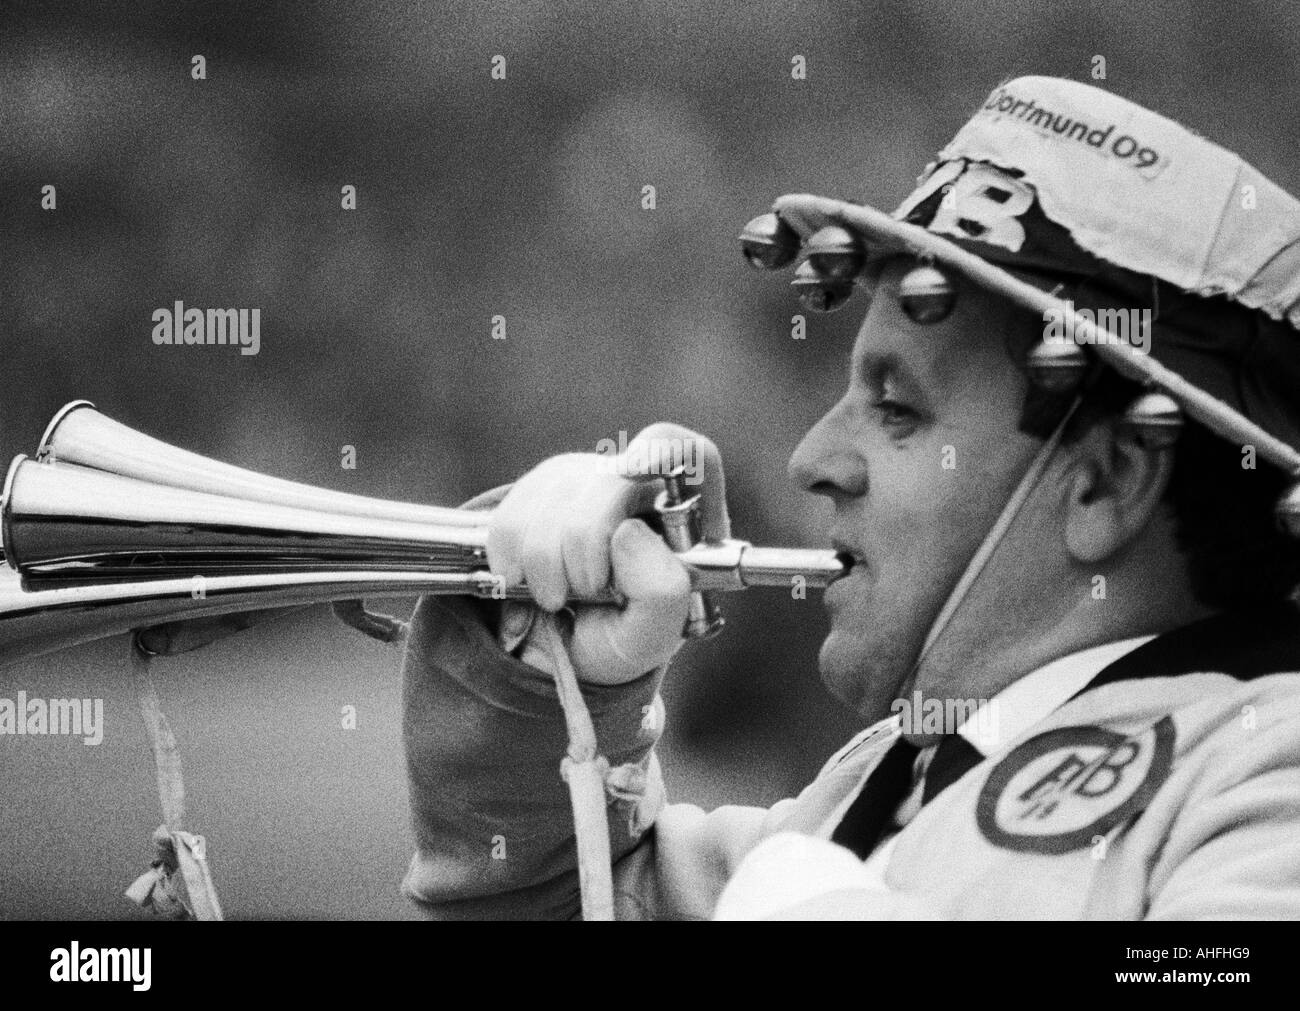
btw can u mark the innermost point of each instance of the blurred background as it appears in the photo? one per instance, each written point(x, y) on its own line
point(475, 198)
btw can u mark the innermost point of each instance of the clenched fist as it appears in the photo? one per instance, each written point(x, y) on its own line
point(567, 528)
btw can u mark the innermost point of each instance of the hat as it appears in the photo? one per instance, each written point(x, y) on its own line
point(1131, 187)
point(1076, 184)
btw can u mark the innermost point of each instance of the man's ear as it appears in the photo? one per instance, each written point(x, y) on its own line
point(1115, 489)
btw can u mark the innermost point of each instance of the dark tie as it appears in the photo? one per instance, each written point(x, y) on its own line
point(954, 757)
point(886, 787)
point(891, 781)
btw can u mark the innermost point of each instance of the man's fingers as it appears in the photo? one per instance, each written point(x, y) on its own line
point(645, 570)
point(543, 565)
point(564, 530)
point(612, 645)
point(586, 558)
point(659, 448)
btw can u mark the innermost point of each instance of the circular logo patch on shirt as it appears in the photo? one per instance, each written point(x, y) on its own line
point(1058, 791)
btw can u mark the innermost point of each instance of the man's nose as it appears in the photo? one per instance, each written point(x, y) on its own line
point(829, 460)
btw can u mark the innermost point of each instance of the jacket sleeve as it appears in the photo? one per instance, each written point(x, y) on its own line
point(484, 736)
point(1233, 852)
point(680, 870)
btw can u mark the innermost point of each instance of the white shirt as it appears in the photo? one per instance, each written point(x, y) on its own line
point(789, 868)
point(1003, 718)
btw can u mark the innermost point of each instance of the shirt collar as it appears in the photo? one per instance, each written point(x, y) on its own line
point(1035, 696)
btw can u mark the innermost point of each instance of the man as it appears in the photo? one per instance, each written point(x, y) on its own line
point(1106, 609)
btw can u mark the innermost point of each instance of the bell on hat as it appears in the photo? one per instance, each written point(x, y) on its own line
point(926, 294)
point(820, 293)
point(1056, 366)
point(1288, 511)
point(1156, 419)
point(836, 253)
point(768, 242)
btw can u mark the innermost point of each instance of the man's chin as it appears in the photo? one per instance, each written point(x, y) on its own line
point(856, 676)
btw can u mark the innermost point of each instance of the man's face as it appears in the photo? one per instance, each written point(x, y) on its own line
point(918, 458)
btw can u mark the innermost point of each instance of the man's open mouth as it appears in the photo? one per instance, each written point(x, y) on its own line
point(852, 559)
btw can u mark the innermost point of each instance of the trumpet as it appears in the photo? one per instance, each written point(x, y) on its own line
point(109, 530)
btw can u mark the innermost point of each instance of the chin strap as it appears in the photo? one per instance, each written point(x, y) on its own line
point(996, 534)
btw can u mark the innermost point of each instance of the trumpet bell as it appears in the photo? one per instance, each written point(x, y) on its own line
point(63, 524)
point(82, 435)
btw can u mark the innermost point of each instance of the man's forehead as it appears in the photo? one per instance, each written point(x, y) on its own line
point(965, 346)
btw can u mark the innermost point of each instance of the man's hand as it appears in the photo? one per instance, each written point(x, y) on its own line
point(566, 528)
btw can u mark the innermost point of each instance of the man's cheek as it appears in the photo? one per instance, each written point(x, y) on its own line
point(933, 473)
point(962, 500)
